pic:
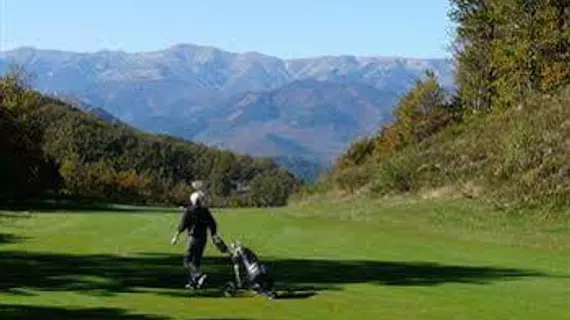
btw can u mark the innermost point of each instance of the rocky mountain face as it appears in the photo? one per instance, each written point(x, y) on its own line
point(253, 103)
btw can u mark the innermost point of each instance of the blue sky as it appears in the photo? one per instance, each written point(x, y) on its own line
point(287, 29)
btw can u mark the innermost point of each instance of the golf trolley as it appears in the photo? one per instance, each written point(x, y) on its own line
point(257, 277)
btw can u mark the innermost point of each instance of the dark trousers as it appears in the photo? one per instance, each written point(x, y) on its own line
point(194, 253)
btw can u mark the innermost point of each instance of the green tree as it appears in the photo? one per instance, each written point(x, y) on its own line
point(24, 167)
point(506, 50)
point(357, 153)
point(476, 36)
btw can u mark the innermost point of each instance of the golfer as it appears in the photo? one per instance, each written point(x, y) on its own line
point(196, 220)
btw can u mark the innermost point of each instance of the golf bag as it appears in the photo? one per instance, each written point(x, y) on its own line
point(257, 276)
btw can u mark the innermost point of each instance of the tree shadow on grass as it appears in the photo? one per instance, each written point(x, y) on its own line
point(20, 312)
point(12, 215)
point(163, 274)
point(6, 238)
point(73, 206)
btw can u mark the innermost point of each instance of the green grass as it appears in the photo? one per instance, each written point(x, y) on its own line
point(399, 259)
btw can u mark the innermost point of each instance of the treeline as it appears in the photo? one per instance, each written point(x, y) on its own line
point(51, 149)
point(499, 136)
point(508, 49)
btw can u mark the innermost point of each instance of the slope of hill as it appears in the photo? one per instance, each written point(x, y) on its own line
point(96, 111)
point(503, 137)
point(513, 159)
point(306, 170)
point(309, 119)
point(170, 91)
point(49, 145)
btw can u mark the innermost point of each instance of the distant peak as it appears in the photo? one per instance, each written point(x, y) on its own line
point(181, 47)
point(24, 49)
point(191, 47)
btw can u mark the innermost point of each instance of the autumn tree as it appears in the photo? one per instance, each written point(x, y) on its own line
point(420, 113)
point(553, 44)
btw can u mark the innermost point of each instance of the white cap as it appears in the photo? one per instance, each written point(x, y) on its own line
point(197, 184)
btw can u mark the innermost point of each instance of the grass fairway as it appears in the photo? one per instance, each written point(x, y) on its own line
point(395, 260)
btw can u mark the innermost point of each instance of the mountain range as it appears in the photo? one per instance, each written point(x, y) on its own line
point(309, 109)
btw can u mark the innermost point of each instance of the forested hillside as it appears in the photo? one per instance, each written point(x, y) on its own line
point(503, 136)
point(49, 148)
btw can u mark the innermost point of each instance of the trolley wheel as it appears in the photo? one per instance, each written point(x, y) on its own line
point(271, 295)
point(230, 289)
